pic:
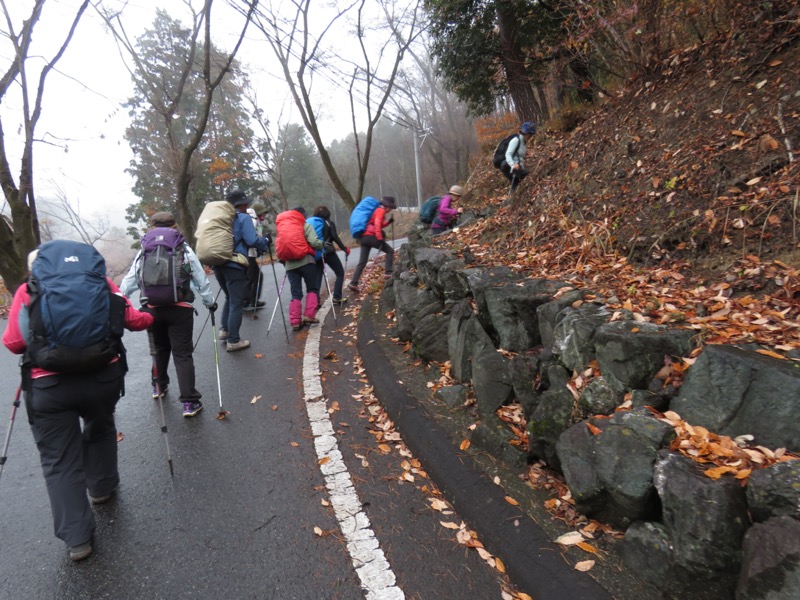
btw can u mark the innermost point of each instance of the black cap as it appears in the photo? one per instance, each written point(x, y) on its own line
point(389, 202)
point(237, 198)
point(300, 209)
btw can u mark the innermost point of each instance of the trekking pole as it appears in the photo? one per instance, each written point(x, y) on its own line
point(275, 310)
point(205, 322)
point(258, 291)
point(328, 287)
point(14, 407)
point(222, 413)
point(157, 392)
point(275, 276)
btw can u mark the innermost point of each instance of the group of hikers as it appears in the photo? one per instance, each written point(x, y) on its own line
point(67, 320)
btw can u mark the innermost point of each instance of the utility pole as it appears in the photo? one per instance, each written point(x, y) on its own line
point(421, 134)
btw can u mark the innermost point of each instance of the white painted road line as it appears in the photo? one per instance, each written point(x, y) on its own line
point(374, 571)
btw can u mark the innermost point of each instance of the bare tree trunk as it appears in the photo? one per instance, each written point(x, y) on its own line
point(519, 84)
point(301, 55)
point(19, 234)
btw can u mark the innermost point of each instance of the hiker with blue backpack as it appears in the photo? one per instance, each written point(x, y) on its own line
point(326, 231)
point(168, 275)
point(447, 216)
point(67, 321)
point(509, 156)
point(367, 222)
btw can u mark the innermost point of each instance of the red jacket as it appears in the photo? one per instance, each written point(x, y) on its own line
point(376, 223)
point(15, 341)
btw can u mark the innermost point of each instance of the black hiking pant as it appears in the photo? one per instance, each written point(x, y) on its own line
point(172, 336)
point(74, 459)
point(513, 176)
point(368, 242)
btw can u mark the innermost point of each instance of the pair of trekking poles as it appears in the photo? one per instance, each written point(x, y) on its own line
point(280, 291)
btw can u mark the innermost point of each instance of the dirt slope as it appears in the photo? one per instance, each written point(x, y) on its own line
point(677, 198)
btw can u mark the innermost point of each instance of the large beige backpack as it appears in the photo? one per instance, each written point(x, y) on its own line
point(214, 234)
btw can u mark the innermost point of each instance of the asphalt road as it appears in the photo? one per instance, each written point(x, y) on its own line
point(242, 515)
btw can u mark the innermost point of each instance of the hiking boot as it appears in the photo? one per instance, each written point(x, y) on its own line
point(240, 345)
point(353, 288)
point(222, 335)
point(297, 327)
point(157, 395)
point(387, 275)
point(258, 306)
point(97, 500)
point(339, 300)
point(310, 320)
point(81, 551)
point(190, 409)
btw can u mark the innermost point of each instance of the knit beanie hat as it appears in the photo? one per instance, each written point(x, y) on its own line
point(162, 219)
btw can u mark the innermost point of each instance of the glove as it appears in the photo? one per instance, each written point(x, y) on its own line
point(347, 250)
point(268, 241)
point(212, 308)
point(391, 220)
point(144, 306)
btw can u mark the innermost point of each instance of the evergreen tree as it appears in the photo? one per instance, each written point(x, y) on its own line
point(165, 110)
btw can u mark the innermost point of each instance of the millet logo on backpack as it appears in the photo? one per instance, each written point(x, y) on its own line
point(71, 259)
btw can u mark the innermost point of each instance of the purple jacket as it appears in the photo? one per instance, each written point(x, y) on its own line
point(446, 216)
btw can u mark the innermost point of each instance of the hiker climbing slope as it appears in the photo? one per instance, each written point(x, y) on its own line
point(509, 156)
point(446, 215)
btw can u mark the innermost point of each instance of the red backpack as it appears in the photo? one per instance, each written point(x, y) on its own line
point(291, 243)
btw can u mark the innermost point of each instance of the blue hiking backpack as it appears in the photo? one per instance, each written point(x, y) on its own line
point(318, 223)
point(361, 215)
point(76, 322)
point(429, 210)
point(164, 276)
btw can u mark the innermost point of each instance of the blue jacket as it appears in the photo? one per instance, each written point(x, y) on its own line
point(245, 237)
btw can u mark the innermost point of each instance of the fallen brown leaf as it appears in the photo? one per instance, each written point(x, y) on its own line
point(584, 565)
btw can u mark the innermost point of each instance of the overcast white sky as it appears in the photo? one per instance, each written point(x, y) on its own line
point(82, 121)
